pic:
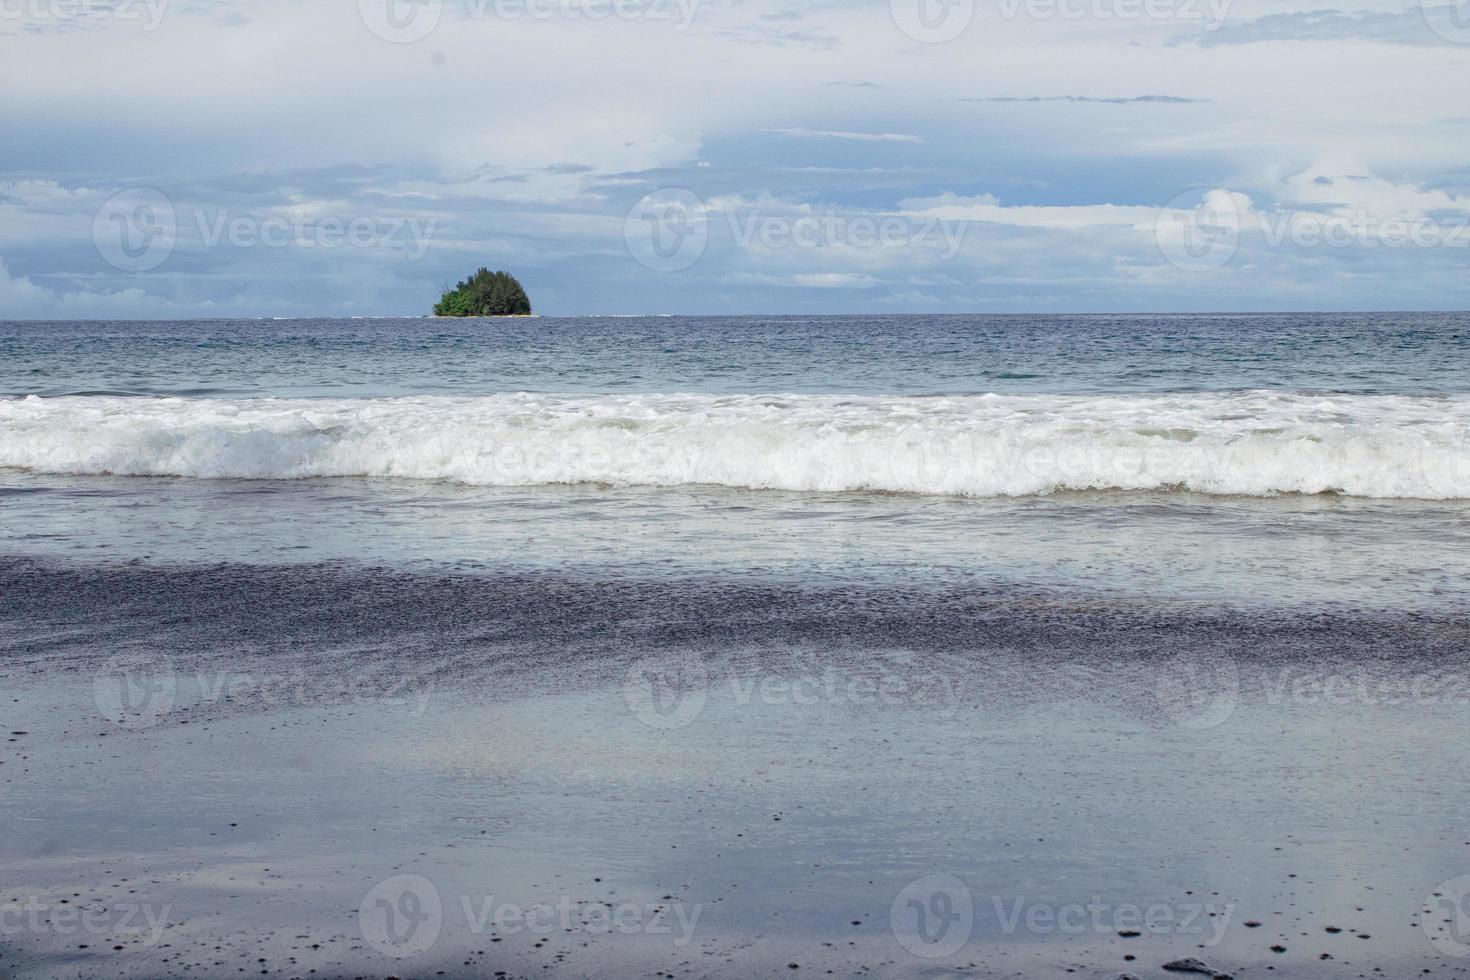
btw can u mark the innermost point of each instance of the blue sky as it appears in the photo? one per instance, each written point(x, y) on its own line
point(177, 158)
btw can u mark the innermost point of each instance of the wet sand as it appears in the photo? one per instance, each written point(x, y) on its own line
point(335, 772)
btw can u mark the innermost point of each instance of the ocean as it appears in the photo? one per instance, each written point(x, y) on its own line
point(790, 640)
point(1265, 458)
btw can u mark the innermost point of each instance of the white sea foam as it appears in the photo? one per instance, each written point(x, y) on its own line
point(1256, 443)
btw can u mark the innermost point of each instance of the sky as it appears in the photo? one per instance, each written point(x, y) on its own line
point(186, 158)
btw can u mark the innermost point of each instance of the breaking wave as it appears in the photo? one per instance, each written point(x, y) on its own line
point(1253, 443)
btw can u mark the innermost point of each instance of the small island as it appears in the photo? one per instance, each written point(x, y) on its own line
point(485, 293)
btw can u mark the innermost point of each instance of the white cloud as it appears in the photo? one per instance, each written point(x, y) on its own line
point(986, 208)
point(809, 280)
point(829, 134)
point(23, 299)
point(833, 280)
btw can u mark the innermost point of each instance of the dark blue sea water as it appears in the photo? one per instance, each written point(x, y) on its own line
point(1364, 353)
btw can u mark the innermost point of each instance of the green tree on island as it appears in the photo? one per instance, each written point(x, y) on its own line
point(485, 293)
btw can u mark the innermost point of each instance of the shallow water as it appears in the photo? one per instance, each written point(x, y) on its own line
point(1319, 550)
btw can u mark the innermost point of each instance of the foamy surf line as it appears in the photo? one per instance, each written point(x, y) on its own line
point(1248, 443)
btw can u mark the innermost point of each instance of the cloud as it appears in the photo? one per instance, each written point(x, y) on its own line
point(1404, 27)
point(22, 299)
point(987, 209)
point(1342, 186)
point(776, 37)
point(805, 280)
point(828, 134)
point(833, 280)
point(1099, 100)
